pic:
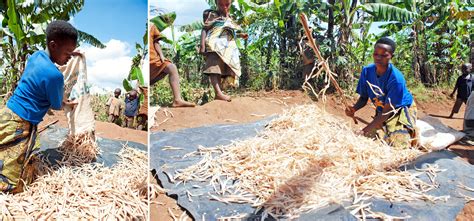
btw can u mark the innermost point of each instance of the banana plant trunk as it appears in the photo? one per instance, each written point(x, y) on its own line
point(426, 72)
point(472, 50)
point(416, 63)
point(344, 71)
point(244, 78)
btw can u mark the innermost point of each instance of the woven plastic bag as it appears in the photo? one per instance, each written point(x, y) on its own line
point(434, 135)
point(80, 142)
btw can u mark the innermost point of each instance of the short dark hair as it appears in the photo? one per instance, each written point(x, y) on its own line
point(216, 1)
point(389, 42)
point(465, 67)
point(59, 29)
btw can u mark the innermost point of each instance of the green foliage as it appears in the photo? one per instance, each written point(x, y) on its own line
point(438, 38)
point(84, 37)
point(163, 21)
point(98, 106)
point(195, 26)
point(22, 33)
point(387, 12)
point(419, 91)
point(135, 73)
point(432, 41)
point(190, 91)
point(126, 85)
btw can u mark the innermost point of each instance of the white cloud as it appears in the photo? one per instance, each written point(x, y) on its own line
point(107, 67)
point(187, 11)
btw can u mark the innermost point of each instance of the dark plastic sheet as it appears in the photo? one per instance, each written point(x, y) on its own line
point(51, 138)
point(164, 163)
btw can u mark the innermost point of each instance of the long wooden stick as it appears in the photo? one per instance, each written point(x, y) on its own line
point(47, 125)
point(325, 65)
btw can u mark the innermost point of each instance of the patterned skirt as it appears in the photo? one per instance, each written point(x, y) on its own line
point(17, 148)
point(400, 129)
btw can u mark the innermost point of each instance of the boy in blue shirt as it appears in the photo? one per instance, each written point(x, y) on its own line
point(463, 86)
point(131, 107)
point(41, 87)
point(384, 84)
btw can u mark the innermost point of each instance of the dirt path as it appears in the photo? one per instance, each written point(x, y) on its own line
point(256, 106)
point(103, 129)
point(241, 110)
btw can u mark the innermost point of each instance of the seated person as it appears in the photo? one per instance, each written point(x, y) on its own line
point(384, 84)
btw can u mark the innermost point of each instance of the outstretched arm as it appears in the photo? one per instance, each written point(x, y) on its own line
point(378, 120)
point(361, 102)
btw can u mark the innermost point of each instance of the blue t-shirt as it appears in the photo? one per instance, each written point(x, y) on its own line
point(391, 87)
point(41, 87)
point(131, 107)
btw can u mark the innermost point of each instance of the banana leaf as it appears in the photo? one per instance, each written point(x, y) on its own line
point(163, 21)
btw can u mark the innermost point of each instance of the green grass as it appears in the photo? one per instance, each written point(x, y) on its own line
point(422, 93)
point(161, 94)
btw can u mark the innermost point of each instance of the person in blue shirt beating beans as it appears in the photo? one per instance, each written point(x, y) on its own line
point(385, 86)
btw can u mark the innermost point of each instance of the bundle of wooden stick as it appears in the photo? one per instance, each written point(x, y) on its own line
point(304, 160)
point(90, 191)
point(79, 149)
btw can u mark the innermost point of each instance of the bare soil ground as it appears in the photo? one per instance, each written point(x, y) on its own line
point(250, 108)
point(103, 129)
point(258, 105)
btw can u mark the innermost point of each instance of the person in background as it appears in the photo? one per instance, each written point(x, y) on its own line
point(219, 48)
point(160, 67)
point(115, 106)
point(308, 56)
point(464, 88)
point(142, 117)
point(131, 108)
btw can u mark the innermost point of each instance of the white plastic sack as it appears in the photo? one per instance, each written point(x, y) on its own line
point(469, 115)
point(80, 145)
point(434, 135)
point(81, 118)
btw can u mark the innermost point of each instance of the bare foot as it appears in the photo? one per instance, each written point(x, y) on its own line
point(181, 103)
point(223, 98)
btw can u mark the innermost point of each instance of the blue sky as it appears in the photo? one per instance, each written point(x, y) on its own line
point(187, 11)
point(119, 24)
point(123, 20)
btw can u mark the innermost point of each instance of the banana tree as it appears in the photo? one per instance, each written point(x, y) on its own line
point(183, 50)
point(22, 33)
point(440, 35)
point(135, 73)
